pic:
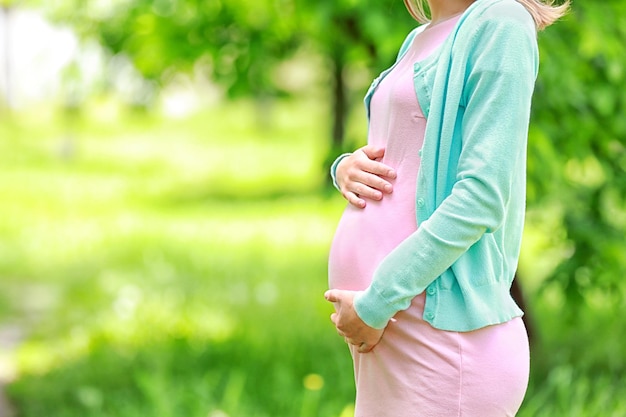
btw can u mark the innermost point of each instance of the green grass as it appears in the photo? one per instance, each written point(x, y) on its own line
point(176, 268)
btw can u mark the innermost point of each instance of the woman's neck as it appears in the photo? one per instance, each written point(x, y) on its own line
point(441, 10)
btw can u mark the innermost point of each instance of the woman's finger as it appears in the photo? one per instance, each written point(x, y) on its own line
point(375, 167)
point(368, 185)
point(354, 199)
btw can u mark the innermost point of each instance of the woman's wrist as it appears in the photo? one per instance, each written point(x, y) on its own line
point(334, 166)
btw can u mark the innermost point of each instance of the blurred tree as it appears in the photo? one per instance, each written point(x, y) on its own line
point(240, 43)
point(353, 33)
point(237, 42)
point(577, 154)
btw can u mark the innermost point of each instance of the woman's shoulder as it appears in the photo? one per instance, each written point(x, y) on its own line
point(489, 20)
point(502, 12)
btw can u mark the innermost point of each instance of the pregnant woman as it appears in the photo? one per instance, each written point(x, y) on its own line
point(423, 258)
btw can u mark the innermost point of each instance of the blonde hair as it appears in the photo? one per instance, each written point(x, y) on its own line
point(544, 14)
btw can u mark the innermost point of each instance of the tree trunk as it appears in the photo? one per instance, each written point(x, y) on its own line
point(339, 113)
point(339, 102)
point(518, 295)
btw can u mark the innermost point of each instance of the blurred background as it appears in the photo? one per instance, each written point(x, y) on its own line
point(166, 214)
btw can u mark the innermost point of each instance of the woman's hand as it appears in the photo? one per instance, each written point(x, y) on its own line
point(362, 176)
point(349, 324)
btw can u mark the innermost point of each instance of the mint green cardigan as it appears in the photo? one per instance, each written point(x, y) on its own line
point(475, 91)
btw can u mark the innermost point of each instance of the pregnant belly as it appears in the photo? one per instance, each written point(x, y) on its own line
point(364, 237)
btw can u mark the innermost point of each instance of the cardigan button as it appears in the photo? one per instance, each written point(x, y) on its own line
point(420, 202)
point(430, 316)
point(420, 153)
point(431, 291)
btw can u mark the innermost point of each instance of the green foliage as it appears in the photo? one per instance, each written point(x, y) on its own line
point(357, 31)
point(235, 43)
point(241, 45)
point(240, 42)
point(577, 154)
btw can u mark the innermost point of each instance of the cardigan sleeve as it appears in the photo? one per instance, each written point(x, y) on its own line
point(333, 169)
point(499, 75)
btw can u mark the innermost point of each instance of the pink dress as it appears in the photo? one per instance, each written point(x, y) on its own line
point(417, 370)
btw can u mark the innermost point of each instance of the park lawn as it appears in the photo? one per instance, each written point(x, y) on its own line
point(176, 268)
point(158, 270)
